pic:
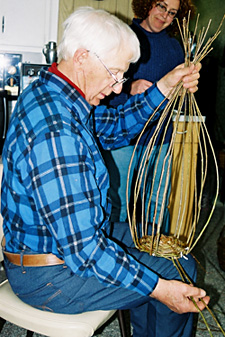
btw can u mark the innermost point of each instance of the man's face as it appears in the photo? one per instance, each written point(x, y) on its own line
point(99, 82)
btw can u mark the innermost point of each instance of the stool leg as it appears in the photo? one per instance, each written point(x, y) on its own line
point(2, 322)
point(122, 323)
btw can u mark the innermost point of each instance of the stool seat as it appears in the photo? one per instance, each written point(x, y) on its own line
point(12, 309)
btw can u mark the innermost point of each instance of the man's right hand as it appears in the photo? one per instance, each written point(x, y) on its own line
point(176, 295)
point(188, 75)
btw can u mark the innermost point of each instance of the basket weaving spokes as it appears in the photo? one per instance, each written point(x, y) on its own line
point(152, 181)
point(152, 185)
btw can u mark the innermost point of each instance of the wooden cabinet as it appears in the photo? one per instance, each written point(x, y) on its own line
point(27, 25)
point(109, 5)
point(120, 8)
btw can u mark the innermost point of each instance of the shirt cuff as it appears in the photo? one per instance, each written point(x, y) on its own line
point(149, 281)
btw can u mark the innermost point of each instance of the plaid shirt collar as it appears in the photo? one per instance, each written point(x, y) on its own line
point(63, 87)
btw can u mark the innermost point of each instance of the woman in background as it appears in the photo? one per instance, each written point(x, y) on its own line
point(156, 27)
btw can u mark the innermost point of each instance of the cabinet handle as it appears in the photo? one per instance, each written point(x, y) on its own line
point(3, 24)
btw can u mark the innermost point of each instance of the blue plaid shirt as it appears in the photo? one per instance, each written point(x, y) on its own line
point(55, 182)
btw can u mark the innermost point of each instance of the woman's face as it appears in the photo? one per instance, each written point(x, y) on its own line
point(161, 15)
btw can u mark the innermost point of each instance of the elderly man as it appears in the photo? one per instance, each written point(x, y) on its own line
point(60, 253)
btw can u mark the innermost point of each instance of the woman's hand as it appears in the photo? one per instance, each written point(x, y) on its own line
point(139, 86)
point(176, 295)
point(188, 75)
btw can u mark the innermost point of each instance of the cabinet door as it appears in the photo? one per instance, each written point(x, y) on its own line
point(24, 24)
point(81, 3)
point(120, 8)
point(124, 11)
point(108, 5)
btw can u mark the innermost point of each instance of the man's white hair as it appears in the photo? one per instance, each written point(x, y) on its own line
point(97, 31)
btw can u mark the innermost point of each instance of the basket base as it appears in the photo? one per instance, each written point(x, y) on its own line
point(164, 246)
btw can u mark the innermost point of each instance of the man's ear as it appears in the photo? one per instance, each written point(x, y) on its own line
point(80, 56)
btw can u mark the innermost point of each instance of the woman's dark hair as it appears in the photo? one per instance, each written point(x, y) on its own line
point(141, 9)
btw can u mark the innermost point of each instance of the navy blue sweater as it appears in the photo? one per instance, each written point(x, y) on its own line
point(160, 53)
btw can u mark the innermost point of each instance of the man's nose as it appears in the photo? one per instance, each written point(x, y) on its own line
point(117, 88)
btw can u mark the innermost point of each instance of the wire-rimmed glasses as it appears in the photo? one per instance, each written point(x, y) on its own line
point(117, 82)
point(162, 8)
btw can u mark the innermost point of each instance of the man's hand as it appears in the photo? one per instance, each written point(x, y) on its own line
point(188, 75)
point(177, 295)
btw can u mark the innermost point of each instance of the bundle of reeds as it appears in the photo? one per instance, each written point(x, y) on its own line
point(181, 105)
point(152, 184)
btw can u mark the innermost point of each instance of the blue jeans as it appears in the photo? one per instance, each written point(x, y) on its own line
point(117, 162)
point(57, 289)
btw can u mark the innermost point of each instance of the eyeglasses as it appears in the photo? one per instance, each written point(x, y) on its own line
point(117, 82)
point(162, 8)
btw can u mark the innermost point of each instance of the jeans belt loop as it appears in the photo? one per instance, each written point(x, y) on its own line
point(21, 262)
